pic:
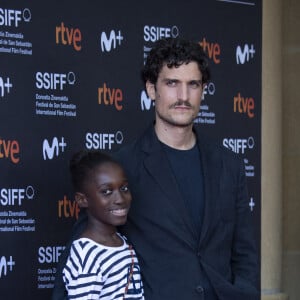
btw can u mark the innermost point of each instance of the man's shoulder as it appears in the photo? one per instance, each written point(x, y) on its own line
point(127, 150)
point(214, 148)
point(134, 148)
point(130, 155)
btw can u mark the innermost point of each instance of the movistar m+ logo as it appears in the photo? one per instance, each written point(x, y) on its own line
point(54, 149)
point(6, 265)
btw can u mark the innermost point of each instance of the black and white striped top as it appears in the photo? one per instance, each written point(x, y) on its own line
point(95, 271)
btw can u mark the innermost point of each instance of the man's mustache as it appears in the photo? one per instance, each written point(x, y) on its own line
point(181, 103)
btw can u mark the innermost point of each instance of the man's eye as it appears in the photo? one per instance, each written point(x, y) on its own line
point(171, 82)
point(194, 84)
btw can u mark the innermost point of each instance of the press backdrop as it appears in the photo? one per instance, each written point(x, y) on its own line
point(70, 79)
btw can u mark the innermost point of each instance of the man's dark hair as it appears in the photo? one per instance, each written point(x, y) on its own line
point(174, 52)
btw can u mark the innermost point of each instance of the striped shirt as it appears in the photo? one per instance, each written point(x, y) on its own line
point(95, 271)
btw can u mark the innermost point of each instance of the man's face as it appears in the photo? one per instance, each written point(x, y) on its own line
point(177, 94)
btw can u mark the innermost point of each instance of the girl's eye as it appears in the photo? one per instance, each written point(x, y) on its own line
point(106, 192)
point(124, 188)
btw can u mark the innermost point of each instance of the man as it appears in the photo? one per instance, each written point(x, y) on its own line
point(189, 221)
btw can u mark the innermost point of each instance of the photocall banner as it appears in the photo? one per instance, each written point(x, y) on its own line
point(70, 80)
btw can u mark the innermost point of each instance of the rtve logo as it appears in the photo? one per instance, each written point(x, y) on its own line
point(103, 141)
point(54, 81)
point(213, 50)
point(11, 17)
point(6, 264)
point(239, 145)
point(15, 196)
point(244, 55)
point(154, 33)
point(243, 105)
point(68, 36)
point(110, 96)
point(49, 254)
point(5, 86)
point(55, 148)
point(68, 208)
point(10, 150)
point(113, 41)
point(209, 89)
point(146, 102)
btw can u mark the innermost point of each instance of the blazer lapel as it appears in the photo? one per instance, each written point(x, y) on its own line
point(211, 165)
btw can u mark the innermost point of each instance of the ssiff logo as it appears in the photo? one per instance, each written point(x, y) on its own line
point(15, 196)
point(6, 264)
point(68, 36)
point(154, 33)
point(244, 105)
point(55, 148)
point(111, 42)
point(10, 149)
point(103, 140)
point(243, 56)
point(54, 81)
point(5, 86)
point(239, 145)
point(12, 17)
point(209, 89)
point(50, 254)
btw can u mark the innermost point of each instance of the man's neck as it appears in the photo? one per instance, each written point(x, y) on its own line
point(181, 138)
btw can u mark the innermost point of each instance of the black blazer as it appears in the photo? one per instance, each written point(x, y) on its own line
point(175, 264)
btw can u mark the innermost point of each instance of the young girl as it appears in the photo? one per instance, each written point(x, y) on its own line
point(101, 264)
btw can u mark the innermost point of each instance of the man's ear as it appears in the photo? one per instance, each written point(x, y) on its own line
point(81, 199)
point(150, 87)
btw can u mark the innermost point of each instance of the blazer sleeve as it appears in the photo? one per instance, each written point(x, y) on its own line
point(245, 266)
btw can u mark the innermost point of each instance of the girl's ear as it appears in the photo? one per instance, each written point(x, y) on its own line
point(81, 199)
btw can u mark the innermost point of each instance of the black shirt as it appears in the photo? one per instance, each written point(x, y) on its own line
point(186, 166)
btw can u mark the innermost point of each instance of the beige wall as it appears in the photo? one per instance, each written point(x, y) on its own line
point(291, 148)
point(281, 150)
point(271, 244)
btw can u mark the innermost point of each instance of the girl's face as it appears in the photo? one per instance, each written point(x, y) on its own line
point(106, 195)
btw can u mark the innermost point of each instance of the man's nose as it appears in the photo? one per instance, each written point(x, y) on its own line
point(182, 92)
